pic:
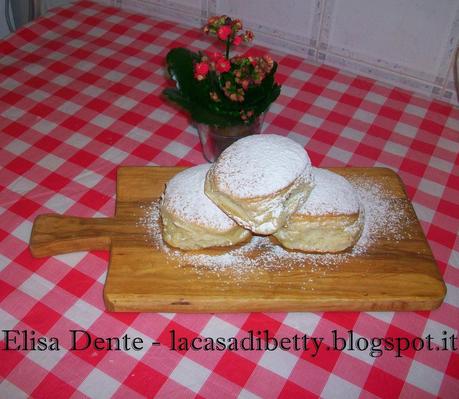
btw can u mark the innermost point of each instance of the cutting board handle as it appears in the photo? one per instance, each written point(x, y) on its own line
point(56, 234)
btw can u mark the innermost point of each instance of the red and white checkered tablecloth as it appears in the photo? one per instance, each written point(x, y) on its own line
point(80, 96)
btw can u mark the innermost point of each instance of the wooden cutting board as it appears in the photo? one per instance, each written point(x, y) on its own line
point(394, 273)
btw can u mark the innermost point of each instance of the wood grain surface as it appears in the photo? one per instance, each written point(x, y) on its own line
point(394, 274)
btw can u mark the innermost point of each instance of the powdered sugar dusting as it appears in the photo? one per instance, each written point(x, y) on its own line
point(385, 219)
point(152, 224)
point(332, 194)
point(260, 165)
point(184, 196)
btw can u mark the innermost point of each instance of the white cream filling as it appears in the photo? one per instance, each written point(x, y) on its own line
point(185, 235)
point(262, 215)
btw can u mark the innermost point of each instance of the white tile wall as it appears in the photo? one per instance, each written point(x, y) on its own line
point(408, 36)
point(191, 12)
point(408, 43)
point(294, 17)
point(290, 24)
point(412, 39)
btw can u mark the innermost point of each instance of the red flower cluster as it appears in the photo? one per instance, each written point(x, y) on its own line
point(200, 70)
point(222, 65)
point(231, 89)
point(223, 32)
point(227, 30)
point(234, 76)
point(211, 62)
point(240, 73)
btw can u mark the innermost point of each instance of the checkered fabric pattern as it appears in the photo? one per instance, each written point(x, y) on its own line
point(80, 96)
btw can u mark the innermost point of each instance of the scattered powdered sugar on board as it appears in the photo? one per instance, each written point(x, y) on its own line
point(385, 218)
point(152, 223)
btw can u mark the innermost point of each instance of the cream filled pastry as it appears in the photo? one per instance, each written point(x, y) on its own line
point(260, 180)
point(190, 220)
point(331, 220)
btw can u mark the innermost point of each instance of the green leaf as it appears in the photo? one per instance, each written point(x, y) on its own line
point(181, 67)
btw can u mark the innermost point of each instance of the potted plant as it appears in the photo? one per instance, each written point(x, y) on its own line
point(225, 96)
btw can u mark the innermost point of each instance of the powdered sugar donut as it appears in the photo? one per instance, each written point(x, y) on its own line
point(190, 220)
point(260, 180)
point(331, 220)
